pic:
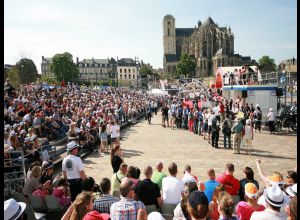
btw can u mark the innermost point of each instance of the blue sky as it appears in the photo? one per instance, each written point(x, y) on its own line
point(133, 28)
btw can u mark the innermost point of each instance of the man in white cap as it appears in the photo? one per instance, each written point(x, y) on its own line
point(274, 198)
point(13, 210)
point(271, 119)
point(72, 168)
point(248, 136)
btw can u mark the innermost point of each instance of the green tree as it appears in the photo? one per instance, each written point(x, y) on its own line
point(145, 71)
point(265, 64)
point(14, 77)
point(64, 68)
point(185, 66)
point(27, 70)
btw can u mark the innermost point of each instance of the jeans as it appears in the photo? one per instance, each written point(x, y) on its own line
point(200, 127)
point(227, 138)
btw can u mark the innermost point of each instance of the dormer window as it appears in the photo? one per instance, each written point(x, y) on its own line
point(96, 65)
point(80, 65)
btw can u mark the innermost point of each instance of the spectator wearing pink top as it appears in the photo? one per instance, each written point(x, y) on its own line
point(244, 209)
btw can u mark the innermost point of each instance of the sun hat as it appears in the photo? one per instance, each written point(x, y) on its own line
point(7, 127)
point(72, 145)
point(15, 125)
point(270, 109)
point(197, 198)
point(12, 133)
point(94, 215)
point(155, 216)
point(292, 190)
point(251, 191)
point(274, 196)
point(22, 132)
point(276, 178)
point(13, 209)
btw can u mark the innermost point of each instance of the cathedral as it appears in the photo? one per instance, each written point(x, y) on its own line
point(208, 44)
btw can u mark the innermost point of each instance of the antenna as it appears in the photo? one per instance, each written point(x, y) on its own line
point(208, 12)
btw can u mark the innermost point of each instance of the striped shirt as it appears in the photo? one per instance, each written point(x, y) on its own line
point(125, 209)
point(31, 185)
point(103, 204)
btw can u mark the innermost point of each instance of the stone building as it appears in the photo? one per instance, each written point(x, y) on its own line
point(95, 70)
point(208, 44)
point(45, 67)
point(128, 72)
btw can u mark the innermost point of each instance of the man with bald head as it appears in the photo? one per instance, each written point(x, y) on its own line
point(147, 191)
point(127, 208)
point(158, 175)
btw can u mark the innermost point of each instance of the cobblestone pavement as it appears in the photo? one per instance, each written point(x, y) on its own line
point(145, 144)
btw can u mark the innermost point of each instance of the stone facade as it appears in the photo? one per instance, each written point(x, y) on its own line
point(208, 44)
point(128, 72)
point(45, 67)
point(95, 70)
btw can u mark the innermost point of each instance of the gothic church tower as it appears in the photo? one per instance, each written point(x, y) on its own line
point(169, 36)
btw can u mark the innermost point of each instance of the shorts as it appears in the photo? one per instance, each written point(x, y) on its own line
point(209, 129)
point(113, 140)
point(165, 118)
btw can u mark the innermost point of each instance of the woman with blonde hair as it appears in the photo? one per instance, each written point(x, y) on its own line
point(80, 207)
point(213, 213)
point(226, 207)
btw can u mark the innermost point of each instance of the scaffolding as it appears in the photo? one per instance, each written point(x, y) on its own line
point(14, 173)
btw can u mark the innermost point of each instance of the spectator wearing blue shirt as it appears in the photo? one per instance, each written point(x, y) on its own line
point(211, 184)
point(200, 123)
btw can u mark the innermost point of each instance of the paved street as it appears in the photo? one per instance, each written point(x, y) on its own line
point(145, 144)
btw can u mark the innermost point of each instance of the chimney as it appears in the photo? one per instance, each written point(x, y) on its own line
point(43, 58)
point(77, 60)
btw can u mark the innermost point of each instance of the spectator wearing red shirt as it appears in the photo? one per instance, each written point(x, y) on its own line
point(222, 110)
point(231, 183)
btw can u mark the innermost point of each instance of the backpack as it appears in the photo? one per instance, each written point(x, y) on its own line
point(258, 115)
point(238, 129)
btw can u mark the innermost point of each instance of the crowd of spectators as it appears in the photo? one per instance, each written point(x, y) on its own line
point(129, 196)
point(238, 121)
point(82, 114)
point(243, 76)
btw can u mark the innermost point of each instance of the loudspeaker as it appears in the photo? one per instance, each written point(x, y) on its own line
point(279, 92)
point(244, 93)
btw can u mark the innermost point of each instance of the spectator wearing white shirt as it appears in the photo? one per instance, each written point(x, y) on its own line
point(274, 199)
point(172, 187)
point(72, 168)
point(188, 177)
point(271, 119)
point(209, 122)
